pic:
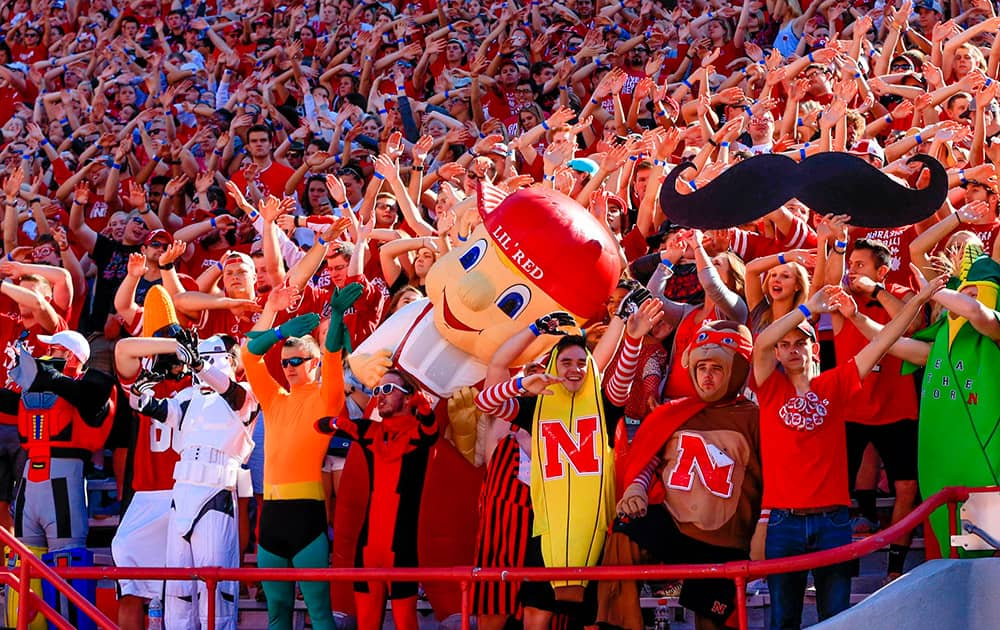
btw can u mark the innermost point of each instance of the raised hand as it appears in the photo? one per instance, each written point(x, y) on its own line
point(551, 323)
point(641, 322)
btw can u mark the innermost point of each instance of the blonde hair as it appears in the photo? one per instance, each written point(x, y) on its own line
point(306, 341)
point(762, 314)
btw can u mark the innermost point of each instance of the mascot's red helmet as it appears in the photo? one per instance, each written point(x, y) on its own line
point(563, 248)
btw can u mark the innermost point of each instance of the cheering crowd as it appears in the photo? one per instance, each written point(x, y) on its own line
point(213, 212)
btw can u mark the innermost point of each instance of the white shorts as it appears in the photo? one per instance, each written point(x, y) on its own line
point(141, 541)
point(333, 463)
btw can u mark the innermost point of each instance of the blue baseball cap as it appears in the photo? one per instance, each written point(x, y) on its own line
point(584, 165)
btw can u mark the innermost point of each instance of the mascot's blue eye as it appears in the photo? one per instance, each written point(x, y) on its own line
point(473, 255)
point(702, 337)
point(513, 300)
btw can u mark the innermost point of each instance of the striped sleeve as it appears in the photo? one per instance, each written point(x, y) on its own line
point(500, 400)
point(646, 476)
point(739, 242)
point(620, 382)
point(801, 235)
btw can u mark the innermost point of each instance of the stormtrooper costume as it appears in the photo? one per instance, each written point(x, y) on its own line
point(213, 421)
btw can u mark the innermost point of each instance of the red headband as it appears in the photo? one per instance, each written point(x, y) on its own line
point(728, 339)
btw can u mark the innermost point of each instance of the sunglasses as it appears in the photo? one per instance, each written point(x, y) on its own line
point(138, 220)
point(294, 361)
point(385, 390)
point(158, 245)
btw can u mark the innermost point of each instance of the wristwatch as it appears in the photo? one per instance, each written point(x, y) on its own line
point(879, 287)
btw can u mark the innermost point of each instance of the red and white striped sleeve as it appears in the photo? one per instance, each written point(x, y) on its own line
point(739, 242)
point(647, 473)
point(801, 236)
point(623, 373)
point(500, 400)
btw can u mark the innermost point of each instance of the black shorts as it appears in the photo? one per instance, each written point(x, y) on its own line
point(542, 596)
point(12, 459)
point(895, 442)
point(658, 535)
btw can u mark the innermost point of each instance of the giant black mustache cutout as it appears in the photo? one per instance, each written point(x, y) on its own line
point(837, 183)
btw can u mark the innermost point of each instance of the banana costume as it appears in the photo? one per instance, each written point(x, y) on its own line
point(573, 495)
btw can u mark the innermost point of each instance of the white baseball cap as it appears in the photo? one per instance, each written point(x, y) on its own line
point(72, 341)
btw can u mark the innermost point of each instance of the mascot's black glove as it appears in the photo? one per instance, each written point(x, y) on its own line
point(187, 349)
point(636, 298)
point(144, 384)
point(549, 324)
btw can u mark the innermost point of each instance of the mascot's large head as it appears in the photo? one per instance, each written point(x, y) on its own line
point(159, 319)
point(538, 251)
point(980, 278)
point(718, 360)
point(217, 351)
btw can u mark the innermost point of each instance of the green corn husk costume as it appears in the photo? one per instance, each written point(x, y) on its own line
point(959, 440)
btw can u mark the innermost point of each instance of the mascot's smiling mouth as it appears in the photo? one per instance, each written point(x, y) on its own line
point(451, 320)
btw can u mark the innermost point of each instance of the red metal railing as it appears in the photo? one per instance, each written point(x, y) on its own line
point(739, 571)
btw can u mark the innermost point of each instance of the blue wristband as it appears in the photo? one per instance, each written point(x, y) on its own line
point(277, 333)
point(810, 57)
point(919, 139)
point(518, 382)
point(572, 60)
point(686, 83)
point(805, 311)
point(692, 185)
point(211, 221)
point(545, 125)
point(781, 259)
point(379, 176)
point(961, 174)
point(839, 245)
point(534, 329)
point(667, 263)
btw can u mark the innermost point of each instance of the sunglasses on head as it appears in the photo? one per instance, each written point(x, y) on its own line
point(293, 361)
point(138, 220)
point(384, 390)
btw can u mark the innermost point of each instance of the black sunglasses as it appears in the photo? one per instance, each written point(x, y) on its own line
point(294, 361)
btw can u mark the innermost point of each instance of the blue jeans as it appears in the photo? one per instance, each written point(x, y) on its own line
point(791, 535)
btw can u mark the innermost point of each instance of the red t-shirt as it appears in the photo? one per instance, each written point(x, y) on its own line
point(153, 456)
point(886, 395)
point(679, 383)
point(898, 241)
point(500, 104)
point(803, 441)
point(987, 233)
point(270, 181)
point(366, 313)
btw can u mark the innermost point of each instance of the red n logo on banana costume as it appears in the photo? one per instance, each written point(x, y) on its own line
point(714, 468)
point(579, 451)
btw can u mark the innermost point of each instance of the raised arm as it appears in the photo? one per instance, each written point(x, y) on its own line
point(872, 353)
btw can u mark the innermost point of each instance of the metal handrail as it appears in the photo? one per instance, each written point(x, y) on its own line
point(739, 571)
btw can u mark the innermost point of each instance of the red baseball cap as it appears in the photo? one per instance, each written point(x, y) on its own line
point(160, 235)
